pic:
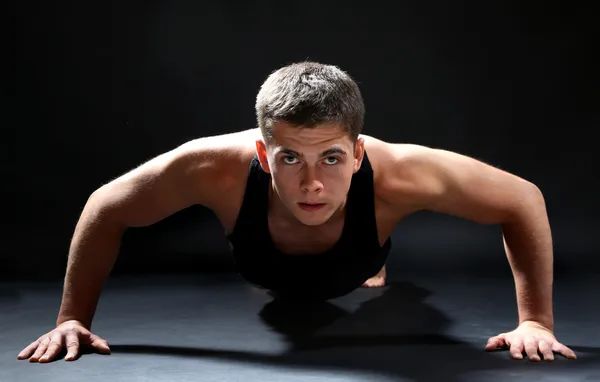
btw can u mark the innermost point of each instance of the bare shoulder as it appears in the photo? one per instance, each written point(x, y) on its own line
point(208, 171)
point(218, 164)
point(402, 172)
point(411, 177)
point(223, 152)
point(200, 171)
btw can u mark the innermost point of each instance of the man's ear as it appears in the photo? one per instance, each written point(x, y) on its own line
point(359, 153)
point(261, 151)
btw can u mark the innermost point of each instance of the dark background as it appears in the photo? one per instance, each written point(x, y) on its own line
point(103, 86)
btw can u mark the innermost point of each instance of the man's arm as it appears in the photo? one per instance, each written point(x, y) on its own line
point(454, 184)
point(158, 188)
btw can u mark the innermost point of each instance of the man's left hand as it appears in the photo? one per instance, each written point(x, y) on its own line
point(533, 339)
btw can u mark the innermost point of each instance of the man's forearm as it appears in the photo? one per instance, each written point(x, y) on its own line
point(92, 255)
point(528, 245)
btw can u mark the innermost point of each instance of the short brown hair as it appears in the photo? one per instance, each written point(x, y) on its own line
point(307, 94)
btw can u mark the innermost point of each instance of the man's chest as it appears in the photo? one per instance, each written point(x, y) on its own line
point(298, 239)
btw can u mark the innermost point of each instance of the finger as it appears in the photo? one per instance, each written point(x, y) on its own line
point(516, 349)
point(28, 350)
point(546, 351)
point(495, 343)
point(72, 340)
point(531, 349)
point(55, 345)
point(557, 347)
point(99, 344)
point(41, 349)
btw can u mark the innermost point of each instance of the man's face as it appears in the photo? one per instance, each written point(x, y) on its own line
point(311, 168)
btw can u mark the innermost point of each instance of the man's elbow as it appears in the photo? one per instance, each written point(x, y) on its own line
point(530, 203)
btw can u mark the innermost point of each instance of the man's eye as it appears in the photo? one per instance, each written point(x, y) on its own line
point(289, 159)
point(331, 160)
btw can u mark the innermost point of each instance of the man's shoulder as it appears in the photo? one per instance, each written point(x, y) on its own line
point(234, 142)
point(389, 156)
point(398, 170)
point(218, 164)
point(226, 153)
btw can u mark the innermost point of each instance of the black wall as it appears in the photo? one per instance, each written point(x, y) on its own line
point(101, 87)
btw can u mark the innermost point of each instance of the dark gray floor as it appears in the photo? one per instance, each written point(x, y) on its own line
point(220, 329)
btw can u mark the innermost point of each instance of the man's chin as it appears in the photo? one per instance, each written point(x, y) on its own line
point(315, 217)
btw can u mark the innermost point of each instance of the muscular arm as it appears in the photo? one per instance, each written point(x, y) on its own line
point(158, 188)
point(454, 184)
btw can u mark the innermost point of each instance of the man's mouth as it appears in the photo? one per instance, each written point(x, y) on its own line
point(311, 206)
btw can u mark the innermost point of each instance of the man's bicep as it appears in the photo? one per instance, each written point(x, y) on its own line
point(455, 184)
point(158, 188)
point(476, 190)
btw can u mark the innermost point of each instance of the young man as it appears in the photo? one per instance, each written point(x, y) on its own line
point(308, 204)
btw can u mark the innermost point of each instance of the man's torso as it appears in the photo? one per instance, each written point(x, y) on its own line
point(289, 237)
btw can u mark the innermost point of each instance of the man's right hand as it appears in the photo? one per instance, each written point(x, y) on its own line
point(70, 335)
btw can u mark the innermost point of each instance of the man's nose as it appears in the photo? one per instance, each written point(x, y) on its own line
point(310, 181)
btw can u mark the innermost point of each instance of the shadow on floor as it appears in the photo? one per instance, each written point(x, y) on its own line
point(395, 334)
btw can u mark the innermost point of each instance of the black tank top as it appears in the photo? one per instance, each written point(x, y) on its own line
point(346, 266)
